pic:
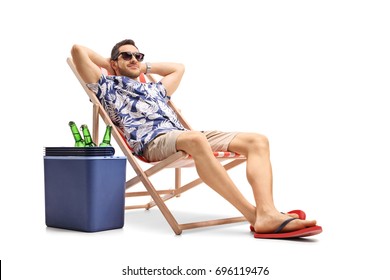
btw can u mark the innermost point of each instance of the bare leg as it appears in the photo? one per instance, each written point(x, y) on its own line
point(259, 174)
point(264, 217)
point(212, 172)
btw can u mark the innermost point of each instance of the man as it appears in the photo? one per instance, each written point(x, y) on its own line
point(153, 131)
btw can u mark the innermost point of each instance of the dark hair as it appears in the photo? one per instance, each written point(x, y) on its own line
point(115, 49)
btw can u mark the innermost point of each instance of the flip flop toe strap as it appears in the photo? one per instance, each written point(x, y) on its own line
point(282, 225)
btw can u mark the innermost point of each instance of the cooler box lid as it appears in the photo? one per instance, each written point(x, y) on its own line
point(78, 151)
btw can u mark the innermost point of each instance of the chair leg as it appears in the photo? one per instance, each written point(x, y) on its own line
point(160, 204)
point(177, 179)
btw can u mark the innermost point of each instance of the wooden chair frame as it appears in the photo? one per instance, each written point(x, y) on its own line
point(177, 161)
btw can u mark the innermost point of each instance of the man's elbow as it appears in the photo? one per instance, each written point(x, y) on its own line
point(76, 50)
point(180, 69)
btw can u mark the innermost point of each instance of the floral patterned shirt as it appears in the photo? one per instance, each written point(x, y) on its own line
point(140, 110)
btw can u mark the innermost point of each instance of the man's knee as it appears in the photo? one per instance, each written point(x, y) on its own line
point(253, 143)
point(259, 142)
point(248, 143)
point(192, 141)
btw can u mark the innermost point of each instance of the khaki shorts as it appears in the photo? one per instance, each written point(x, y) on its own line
point(165, 145)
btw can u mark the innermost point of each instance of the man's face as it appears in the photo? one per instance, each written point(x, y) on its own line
point(126, 66)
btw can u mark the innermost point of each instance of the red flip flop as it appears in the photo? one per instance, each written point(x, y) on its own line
point(301, 215)
point(309, 231)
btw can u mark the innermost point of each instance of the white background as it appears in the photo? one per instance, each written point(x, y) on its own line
point(311, 75)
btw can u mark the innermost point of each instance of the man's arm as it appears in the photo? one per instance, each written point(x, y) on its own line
point(88, 63)
point(171, 73)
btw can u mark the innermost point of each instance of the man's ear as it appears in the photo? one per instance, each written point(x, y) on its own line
point(114, 66)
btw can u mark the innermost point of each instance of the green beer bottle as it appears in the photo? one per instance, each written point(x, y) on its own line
point(107, 137)
point(79, 142)
point(87, 136)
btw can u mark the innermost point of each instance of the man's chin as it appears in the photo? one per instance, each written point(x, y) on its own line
point(131, 74)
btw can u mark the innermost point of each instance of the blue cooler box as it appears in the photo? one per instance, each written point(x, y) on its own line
point(85, 193)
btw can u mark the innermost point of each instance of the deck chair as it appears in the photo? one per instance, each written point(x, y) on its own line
point(157, 196)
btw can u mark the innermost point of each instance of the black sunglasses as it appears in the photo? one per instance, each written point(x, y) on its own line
point(129, 55)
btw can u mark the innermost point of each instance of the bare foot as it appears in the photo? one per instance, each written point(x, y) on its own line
point(298, 214)
point(270, 223)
